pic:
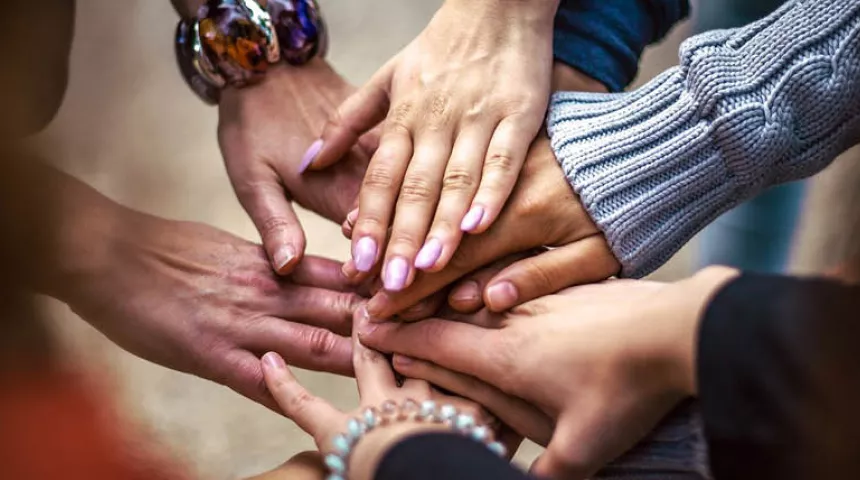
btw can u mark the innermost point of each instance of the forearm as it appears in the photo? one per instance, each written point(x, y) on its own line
point(747, 109)
point(605, 38)
point(58, 228)
point(777, 362)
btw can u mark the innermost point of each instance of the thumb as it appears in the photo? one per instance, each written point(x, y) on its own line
point(559, 459)
point(359, 113)
point(279, 226)
point(585, 261)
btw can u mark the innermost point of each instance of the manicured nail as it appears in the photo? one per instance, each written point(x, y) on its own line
point(283, 256)
point(466, 292)
point(364, 254)
point(396, 272)
point(502, 296)
point(273, 360)
point(429, 254)
point(310, 155)
point(472, 219)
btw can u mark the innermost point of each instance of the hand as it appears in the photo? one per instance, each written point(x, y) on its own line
point(463, 102)
point(542, 211)
point(199, 300)
point(376, 385)
point(582, 356)
point(263, 131)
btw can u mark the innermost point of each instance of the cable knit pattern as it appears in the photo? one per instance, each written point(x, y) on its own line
point(746, 109)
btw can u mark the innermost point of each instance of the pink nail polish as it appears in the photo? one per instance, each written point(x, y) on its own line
point(395, 274)
point(364, 255)
point(429, 254)
point(472, 219)
point(310, 155)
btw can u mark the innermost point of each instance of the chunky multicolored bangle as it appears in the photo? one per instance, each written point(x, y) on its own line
point(410, 410)
point(233, 42)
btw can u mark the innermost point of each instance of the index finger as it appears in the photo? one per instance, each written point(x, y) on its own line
point(456, 346)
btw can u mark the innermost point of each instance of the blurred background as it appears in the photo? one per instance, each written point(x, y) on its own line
point(131, 128)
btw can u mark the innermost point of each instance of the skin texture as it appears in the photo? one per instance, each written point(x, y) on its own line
point(618, 379)
point(263, 130)
point(542, 211)
point(460, 105)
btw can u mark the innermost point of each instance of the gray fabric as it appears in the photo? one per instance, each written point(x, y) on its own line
point(746, 109)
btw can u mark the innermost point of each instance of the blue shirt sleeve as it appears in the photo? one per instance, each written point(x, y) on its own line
point(605, 38)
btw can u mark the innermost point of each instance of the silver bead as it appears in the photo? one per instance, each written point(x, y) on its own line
point(341, 444)
point(408, 409)
point(498, 449)
point(463, 422)
point(447, 412)
point(480, 433)
point(334, 477)
point(427, 410)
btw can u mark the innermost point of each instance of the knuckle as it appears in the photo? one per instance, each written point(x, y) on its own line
point(378, 177)
point(500, 159)
point(298, 401)
point(458, 179)
point(321, 343)
point(275, 224)
point(541, 278)
point(416, 189)
point(399, 118)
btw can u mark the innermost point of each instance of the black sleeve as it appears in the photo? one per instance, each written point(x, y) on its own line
point(448, 456)
point(779, 379)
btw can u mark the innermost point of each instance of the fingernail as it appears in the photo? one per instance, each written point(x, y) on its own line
point(273, 360)
point(429, 254)
point(502, 296)
point(376, 306)
point(351, 217)
point(472, 219)
point(310, 155)
point(395, 274)
point(364, 254)
point(466, 292)
point(366, 329)
point(402, 361)
point(283, 256)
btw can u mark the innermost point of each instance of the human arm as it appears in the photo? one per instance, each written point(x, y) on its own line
point(604, 39)
point(746, 109)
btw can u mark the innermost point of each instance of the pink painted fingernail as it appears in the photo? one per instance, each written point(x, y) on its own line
point(396, 272)
point(429, 254)
point(273, 360)
point(472, 219)
point(364, 254)
point(310, 155)
point(502, 296)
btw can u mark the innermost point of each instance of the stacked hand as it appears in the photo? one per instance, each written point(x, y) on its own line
point(460, 105)
point(606, 361)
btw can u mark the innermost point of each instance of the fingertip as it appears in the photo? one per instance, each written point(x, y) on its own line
point(473, 218)
point(285, 259)
point(466, 297)
point(273, 363)
point(501, 296)
point(310, 155)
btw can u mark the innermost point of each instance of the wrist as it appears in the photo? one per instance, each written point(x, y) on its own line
point(186, 8)
point(692, 297)
point(370, 451)
point(522, 12)
point(568, 79)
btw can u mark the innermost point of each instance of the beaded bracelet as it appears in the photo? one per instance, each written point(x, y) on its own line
point(388, 413)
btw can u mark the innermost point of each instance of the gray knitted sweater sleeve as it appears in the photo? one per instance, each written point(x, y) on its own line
point(746, 109)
